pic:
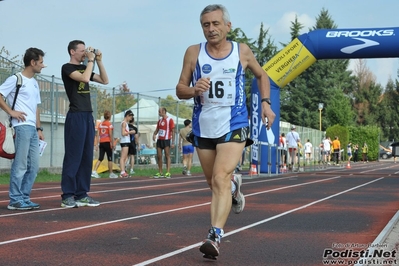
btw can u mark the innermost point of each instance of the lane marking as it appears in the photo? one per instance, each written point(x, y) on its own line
point(167, 255)
point(149, 214)
point(131, 188)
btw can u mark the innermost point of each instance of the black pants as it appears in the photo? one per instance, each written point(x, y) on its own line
point(336, 155)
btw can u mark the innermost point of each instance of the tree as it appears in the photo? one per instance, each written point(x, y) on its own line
point(388, 115)
point(263, 49)
point(317, 84)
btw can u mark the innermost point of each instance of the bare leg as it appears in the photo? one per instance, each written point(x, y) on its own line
point(218, 166)
point(167, 155)
point(159, 156)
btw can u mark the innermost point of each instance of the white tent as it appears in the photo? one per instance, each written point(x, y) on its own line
point(146, 117)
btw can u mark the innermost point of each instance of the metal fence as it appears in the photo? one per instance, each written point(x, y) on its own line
point(55, 105)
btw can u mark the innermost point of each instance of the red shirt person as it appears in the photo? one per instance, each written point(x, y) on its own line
point(165, 131)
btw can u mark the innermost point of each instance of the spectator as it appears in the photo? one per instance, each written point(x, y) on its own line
point(186, 147)
point(336, 147)
point(125, 142)
point(283, 147)
point(27, 128)
point(293, 140)
point(327, 149)
point(104, 135)
point(79, 124)
point(355, 153)
point(308, 151)
point(134, 144)
point(165, 131)
point(349, 152)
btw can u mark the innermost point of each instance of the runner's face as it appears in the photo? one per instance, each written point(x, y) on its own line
point(214, 28)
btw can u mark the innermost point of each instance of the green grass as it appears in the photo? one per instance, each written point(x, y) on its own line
point(46, 176)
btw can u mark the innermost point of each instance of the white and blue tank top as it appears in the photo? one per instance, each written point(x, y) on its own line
point(222, 109)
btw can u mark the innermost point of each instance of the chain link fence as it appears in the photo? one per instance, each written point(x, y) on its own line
point(117, 100)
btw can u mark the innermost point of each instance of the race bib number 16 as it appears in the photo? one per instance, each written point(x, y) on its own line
point(222, 92)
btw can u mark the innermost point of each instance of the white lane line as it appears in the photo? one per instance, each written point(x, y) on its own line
point(148, 215)
point(131, 188)
point(167, 255)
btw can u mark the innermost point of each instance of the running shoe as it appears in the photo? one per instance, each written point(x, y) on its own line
point(211, 245)
point(87, 201)
point(32, 204)
point(95, 174)
point(184, 172)
point(188, 173)
point(158, 175)
point(132, 172)
point(238, 203)
point(112, 175)
point(124, 175)
point(168, 175)
point(20, 206)
point(69, 203)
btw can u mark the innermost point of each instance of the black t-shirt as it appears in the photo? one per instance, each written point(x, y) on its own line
point(78, 92)
point(131, 127)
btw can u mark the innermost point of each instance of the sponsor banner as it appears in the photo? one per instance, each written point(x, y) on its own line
point(353, 43)
point(289, 63)
point(259, 134)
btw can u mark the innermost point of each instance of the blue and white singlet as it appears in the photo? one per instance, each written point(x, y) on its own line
point(223, 108)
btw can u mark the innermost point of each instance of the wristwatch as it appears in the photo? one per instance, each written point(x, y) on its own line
point(39, 128)
point(266, 100)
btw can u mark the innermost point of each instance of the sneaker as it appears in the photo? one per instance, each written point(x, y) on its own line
point(188, 173)
point(158, 175)
point(87, 201)
point(210, 246)
point(238, 203)
point(168, 175)
point(132, 172)
point(69, 203)
point(112, 175)
point(33, 205)
point(20, 206)
point(124, 175)
point(184, 170)
point(95, 174)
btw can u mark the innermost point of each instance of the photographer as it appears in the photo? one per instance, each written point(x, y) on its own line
point(79, 124)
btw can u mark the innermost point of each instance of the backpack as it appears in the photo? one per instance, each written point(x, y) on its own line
point(7, 148)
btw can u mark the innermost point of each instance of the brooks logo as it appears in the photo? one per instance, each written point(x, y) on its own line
point(353, 48)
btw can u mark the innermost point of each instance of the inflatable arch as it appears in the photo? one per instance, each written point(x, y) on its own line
point(300, 54)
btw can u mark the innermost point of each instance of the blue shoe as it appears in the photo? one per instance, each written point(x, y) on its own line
point(20, 206)
point(33, 205)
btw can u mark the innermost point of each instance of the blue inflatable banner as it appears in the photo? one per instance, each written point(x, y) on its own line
point(300, 54)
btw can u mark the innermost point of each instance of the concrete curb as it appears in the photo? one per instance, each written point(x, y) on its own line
point(388, 238)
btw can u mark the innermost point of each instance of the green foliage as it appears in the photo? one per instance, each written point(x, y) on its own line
point(326, 81)
point(366, 134)
point(263, 49)
point(341, 132)
point(182, 109)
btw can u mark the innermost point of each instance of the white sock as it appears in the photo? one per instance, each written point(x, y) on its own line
point(233, 187)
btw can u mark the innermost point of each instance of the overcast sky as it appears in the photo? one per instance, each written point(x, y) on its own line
point(144, 41)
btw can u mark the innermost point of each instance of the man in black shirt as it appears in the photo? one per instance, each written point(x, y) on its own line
point(79, 124)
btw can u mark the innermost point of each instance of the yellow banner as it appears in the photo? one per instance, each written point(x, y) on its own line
point(289, 63)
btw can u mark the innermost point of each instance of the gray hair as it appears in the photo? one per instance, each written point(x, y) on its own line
point(211, 8)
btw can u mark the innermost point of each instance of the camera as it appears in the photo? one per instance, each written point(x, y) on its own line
point(91, 50)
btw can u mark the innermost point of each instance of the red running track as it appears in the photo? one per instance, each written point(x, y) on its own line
point(289, 219)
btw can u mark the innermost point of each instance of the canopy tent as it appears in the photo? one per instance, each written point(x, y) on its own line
point(146, 117)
